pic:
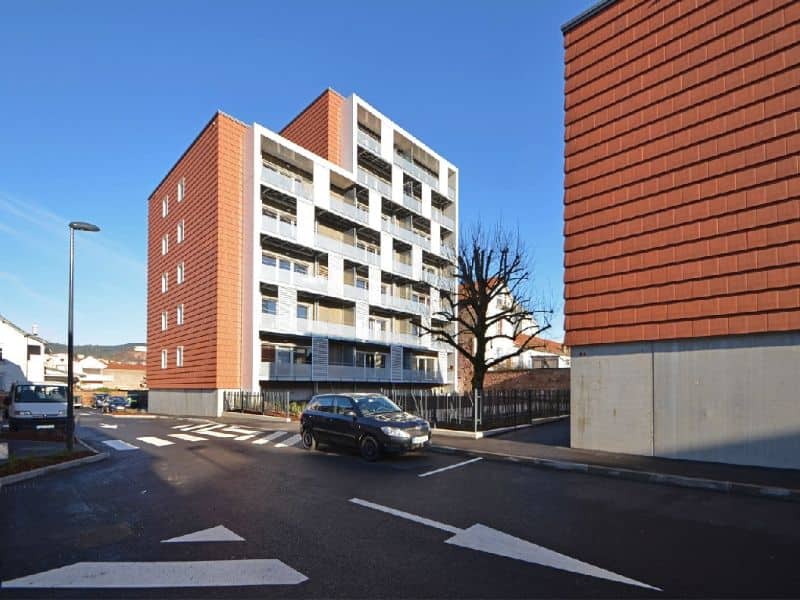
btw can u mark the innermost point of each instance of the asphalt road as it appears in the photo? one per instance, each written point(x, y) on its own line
point(296, 506)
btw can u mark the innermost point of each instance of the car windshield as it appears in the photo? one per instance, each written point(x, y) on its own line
point(41, 393)
point(373, 405)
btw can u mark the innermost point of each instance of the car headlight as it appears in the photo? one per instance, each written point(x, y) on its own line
point(22, 413)
point(395, 432)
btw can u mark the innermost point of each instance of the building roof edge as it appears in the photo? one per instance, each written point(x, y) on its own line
point(587, 14)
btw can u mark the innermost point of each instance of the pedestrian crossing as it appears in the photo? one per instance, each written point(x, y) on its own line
point(208, 432)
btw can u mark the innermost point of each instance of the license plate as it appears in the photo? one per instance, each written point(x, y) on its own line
point(421, 439)
point(45, 427)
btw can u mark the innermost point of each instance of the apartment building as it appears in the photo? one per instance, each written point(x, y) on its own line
point(682, 229)
point(303, 260)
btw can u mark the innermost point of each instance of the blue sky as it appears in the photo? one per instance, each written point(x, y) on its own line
point(100, 98)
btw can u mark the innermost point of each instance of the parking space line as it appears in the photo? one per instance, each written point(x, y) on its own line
point(290, 441)
point(120, 445)
point(268, 438)
point(154, 441)
point(455, 466)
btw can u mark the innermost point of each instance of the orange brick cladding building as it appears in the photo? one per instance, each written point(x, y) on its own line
point(682, 228)
point(270, 252)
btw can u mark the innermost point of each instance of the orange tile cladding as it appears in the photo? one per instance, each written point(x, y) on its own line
point(318, 127)
point(682, 171)
point(211, 252)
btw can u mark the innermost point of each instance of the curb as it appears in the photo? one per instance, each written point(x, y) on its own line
point(731, 487)
point(62, 466)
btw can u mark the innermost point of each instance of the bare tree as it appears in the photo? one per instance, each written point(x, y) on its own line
point(494, 301)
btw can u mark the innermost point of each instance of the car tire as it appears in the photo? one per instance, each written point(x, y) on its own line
point(370, 449)
point(308, 439)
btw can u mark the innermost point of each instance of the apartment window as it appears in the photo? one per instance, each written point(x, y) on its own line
point(285, 264)
point(303, 311)
point(269, 306)
point(179, 315)
point(268, 260)
point(179, 356)
point(163, 359)
point(179, 273)
point(181, 186)
point(362, 283)
point(165, 244)
point(179, 232)
point(164, 320)
point(165, 206)
point(164, 282)
point(301, 268)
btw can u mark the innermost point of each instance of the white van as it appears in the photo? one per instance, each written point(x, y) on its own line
point(37, 406)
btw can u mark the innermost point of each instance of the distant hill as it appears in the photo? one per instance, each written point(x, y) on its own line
point(119, 353)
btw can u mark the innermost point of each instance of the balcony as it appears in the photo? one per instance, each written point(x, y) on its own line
point(371, 181)
point(408, 235)
point(412, 203)
point(402, 268)
point(379, 335)
point(269, 322)
point(285, 371)
point(354, 252)
point(415, 171)
point(351, 211)
point(352, 292)
point(353, 373)
point(448, 251)
point(282, 229)
point(370, 143)
point(439, 217)
point(295, 186)
point(451, 193)
point(407, 339)
point(419, 375)
point(312, 327)
point(274, 274)
point(398, 303)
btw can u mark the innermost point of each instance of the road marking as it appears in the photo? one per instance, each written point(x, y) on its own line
point(241, 431)
point(201, 573)
point(120, 445)
point(107, 426)
point(213, 534)
point(241, 438)
point(214, 433)
point(290, 441)
point(485, 539)
point(154, 441)
point(181, 427)
point(268, 438)
point(201, 426)
point(187, 437)
point(455, 466)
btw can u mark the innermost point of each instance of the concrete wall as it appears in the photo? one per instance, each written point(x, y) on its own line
point(729, 399)
point(196, 403)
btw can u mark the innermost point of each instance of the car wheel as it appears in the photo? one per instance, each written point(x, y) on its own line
point(370, 449)
point(308, 439)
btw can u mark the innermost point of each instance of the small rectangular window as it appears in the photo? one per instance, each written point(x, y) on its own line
point(165, 244)
point(181, 186)
point(285, 264)
point(179, 232)
point(302, 311)
point(269, 306)
point(164, 282)
point(165, 206)
point(164, 320)
point(163, 359)
point(268, 260)
point(301, 268)
point(179, 356)
point(179, 273)
point(179, 314)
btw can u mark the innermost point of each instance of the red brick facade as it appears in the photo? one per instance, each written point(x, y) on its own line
point(682, 170)
point(318, 127)
point(211, 253)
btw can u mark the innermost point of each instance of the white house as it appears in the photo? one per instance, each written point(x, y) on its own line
point(21, 355)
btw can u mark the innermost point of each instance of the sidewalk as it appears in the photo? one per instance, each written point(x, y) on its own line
point(523, 446)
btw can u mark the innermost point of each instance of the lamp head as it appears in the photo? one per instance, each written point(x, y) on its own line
point(83, 226)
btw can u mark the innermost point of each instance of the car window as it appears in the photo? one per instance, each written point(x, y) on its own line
point(326, 404)
point(376, 404)
point(343, 405)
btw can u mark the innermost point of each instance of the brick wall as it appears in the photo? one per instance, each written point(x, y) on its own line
point(211, 253)
point(318, 127)
point(682, 177)
point(528, 379)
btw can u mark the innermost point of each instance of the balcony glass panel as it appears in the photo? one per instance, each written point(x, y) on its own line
point(409, 167)
point(359, 254)
point(277, 227)
point(371, 181)
point(353, 211)
point(284, 370)
point(402, 268)
point(369, 142)
point(310, 326)
point(352, 373)
point(352, 292)
point(412, 203)
point(293, 185)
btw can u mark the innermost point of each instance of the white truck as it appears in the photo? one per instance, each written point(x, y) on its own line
point(36, 406)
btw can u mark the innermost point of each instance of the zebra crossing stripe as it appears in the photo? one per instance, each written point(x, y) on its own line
point(241, 438)
point(241, 431)
point(154, 441)
point(181, 427)
point(291, 441)
point(217, 434)
point(271, 436)
point(188, 437)
point(201, 426)
point(120, 445)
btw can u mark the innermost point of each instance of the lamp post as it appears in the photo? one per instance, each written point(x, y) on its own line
point(80, 226)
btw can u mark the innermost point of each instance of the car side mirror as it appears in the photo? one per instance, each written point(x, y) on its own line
point(350, 413)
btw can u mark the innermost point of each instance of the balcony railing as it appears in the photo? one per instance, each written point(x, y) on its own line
point(302, 371)
point(280, 370)
point(379, 335)
point(412, 203)
point(419, 375)
point(369, 142)
point(278, 227)
point(359, 254)
point(270, 274)
point(310, 326)
point(451, 193)
point(376, 183)
point(398, 303)
point(402, 268)
point(295, 186)
point(354, 373)
point(442, 219)
point(353, 211)
point(408, 339)
point(448, 251)
point(352, 292)
point(269, 322)
point(409, 167)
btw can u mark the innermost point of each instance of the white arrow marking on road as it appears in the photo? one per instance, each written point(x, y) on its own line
point(120, 445)
point(155, 441)
point(290, 441)
point(106, 426)
point(271, 436)
point(187, 437)
point(485, 539)
point(201, 573)
point(212, 534)
point(461, 464)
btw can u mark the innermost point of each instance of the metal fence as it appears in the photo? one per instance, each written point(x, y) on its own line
point(495, 408)
point(263, 403)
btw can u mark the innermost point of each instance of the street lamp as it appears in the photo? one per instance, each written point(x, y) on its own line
point(80, 226)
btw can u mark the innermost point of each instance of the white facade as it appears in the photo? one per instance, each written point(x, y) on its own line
point(342, 263)
point(21, 356)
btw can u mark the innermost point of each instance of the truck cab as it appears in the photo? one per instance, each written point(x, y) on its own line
point(37, 406)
